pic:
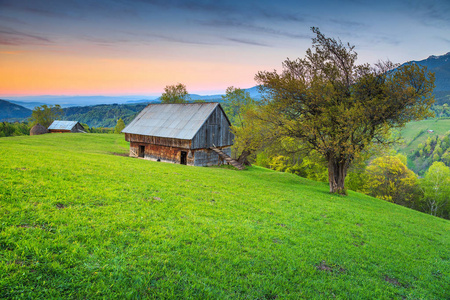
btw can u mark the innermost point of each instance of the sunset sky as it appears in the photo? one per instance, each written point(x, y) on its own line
point(137, 47)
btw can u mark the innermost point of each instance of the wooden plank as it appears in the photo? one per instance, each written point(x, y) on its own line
point(228, 159)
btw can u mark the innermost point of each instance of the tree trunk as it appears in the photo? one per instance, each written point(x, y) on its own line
point(243, 158)
point(337, 171)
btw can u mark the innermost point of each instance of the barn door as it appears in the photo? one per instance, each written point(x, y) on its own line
point(183, 158)
point(141, 151)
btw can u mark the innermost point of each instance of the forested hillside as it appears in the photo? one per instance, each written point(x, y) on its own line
point(105, 115)
point(425, 142)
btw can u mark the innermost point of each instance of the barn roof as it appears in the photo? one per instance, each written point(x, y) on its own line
point(62, 125)
point(179, 121)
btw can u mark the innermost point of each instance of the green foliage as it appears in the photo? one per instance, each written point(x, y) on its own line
point(175, 94)
point(14, 129)
point(309, 166)
point(120, 126)
point(436, 187)
point(441, 111)
point(235, 103)
point(446, 157)
point(45, 115)
point(77, 222)
point(339, 108)
point(389, 179)
point(436, 149)
point(357, 177)
point(420, 156)
point(239, 108)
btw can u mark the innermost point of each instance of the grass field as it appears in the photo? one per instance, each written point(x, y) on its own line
point(78, 222)
point(410, 133)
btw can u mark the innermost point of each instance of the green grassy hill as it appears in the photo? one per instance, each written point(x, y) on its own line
point(415, 133)
point(79, 222)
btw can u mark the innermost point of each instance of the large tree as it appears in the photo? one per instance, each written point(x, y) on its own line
point(175, 94)
point(339, 108)
point(45, 115)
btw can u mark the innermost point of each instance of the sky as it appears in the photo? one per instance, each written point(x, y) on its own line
point(137, 47)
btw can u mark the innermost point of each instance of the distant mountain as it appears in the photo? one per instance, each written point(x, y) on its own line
point(77, 101)
point(72, 101)
point(254, 93)
point(142, 101)
point(12, 112)
point(440, 65)
point(30, 105)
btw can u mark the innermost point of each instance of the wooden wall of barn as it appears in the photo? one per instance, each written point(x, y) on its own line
point(207, 158)
point(169, 142)
point(161, 153)
point(215, 131)
point(197, 157)
point(78, 128)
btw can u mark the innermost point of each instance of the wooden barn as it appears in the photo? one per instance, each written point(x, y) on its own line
point(181, 133)
point(66, 126)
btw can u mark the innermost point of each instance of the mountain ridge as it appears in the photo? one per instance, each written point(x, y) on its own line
point(11, 112)
point(440, 65)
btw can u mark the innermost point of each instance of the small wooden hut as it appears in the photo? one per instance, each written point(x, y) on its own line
point(181, 133)
point(38, 129)
point(66, 126)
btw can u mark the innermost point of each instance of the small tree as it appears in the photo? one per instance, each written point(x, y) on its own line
point(236, 102)
point(175, 94)
point(339, 108)
point(119, 126)
point(238, 105)
point(45, 115)
point(389, 179)
point(436, 187)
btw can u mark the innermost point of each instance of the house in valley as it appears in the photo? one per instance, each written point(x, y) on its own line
point(66, 126)
point(190, 133)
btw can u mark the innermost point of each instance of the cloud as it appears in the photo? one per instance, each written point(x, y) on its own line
point(48, 8)
point(180, 40)
point(275, 14)
point(247, 42)
point(445, 39)
point(227, 23)
point(434, 13)
point(349, 24)
point(196, 6)
point(12, 52)
point(10, 36)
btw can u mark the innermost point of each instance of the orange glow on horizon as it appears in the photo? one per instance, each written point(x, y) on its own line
point(37, 73)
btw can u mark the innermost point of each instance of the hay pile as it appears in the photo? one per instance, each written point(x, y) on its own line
point(38, 129)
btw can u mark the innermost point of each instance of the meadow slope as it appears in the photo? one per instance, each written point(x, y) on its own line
point(80, 222)
point(415, 133)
